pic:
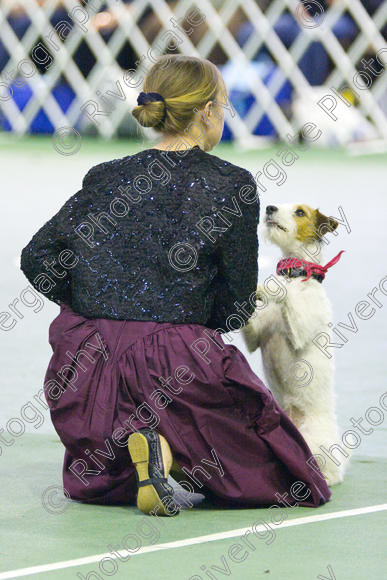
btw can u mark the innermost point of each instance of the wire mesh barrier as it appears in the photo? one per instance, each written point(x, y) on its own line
point(80, 64)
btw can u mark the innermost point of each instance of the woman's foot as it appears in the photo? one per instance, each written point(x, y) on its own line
point(152, 458)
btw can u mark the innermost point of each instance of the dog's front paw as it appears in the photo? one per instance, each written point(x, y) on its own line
point(251, 336)
point(261, 294)
point(266, 295)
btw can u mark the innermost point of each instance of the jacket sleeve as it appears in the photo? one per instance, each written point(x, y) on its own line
point(42, 260)
point(237, 257)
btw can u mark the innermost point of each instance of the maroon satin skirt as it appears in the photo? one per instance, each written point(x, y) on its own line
point(108, 378)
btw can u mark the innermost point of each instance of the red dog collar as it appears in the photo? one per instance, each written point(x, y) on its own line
point(294, 267)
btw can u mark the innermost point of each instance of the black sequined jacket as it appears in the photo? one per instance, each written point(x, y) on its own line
point(157, 236)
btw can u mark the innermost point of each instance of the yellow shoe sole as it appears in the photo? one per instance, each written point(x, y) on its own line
point(148, 499)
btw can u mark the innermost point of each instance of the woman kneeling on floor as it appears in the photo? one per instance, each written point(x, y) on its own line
point(151, 261)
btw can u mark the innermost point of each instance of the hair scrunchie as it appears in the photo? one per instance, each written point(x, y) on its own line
point(144, 98)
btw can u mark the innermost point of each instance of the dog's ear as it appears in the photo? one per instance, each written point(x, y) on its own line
point(322, 222)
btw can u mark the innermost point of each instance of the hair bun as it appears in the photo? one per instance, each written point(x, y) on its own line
point(184, 84)
point(151, 110)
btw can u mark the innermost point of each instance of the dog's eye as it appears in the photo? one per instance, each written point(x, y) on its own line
point(300, 212)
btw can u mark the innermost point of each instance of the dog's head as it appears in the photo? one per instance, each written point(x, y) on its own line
point(294, 227)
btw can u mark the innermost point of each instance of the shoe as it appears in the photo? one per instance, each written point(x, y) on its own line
point(152, 458)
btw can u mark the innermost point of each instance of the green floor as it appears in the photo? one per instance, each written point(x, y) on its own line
point(351, 546)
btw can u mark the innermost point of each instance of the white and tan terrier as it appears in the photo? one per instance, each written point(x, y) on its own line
point(284, 326)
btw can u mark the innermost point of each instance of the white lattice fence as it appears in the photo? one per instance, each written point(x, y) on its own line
point(67, 63)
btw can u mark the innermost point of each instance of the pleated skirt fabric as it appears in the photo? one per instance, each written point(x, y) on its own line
point(108, 378)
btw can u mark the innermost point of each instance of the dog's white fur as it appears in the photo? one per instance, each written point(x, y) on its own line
point(284, 330)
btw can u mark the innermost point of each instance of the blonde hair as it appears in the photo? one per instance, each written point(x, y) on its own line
point(186, 83)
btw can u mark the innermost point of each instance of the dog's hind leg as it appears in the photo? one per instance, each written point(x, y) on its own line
point(334, 474)
point(323, 441)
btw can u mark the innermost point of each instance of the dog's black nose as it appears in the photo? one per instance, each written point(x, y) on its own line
point(271, 209)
